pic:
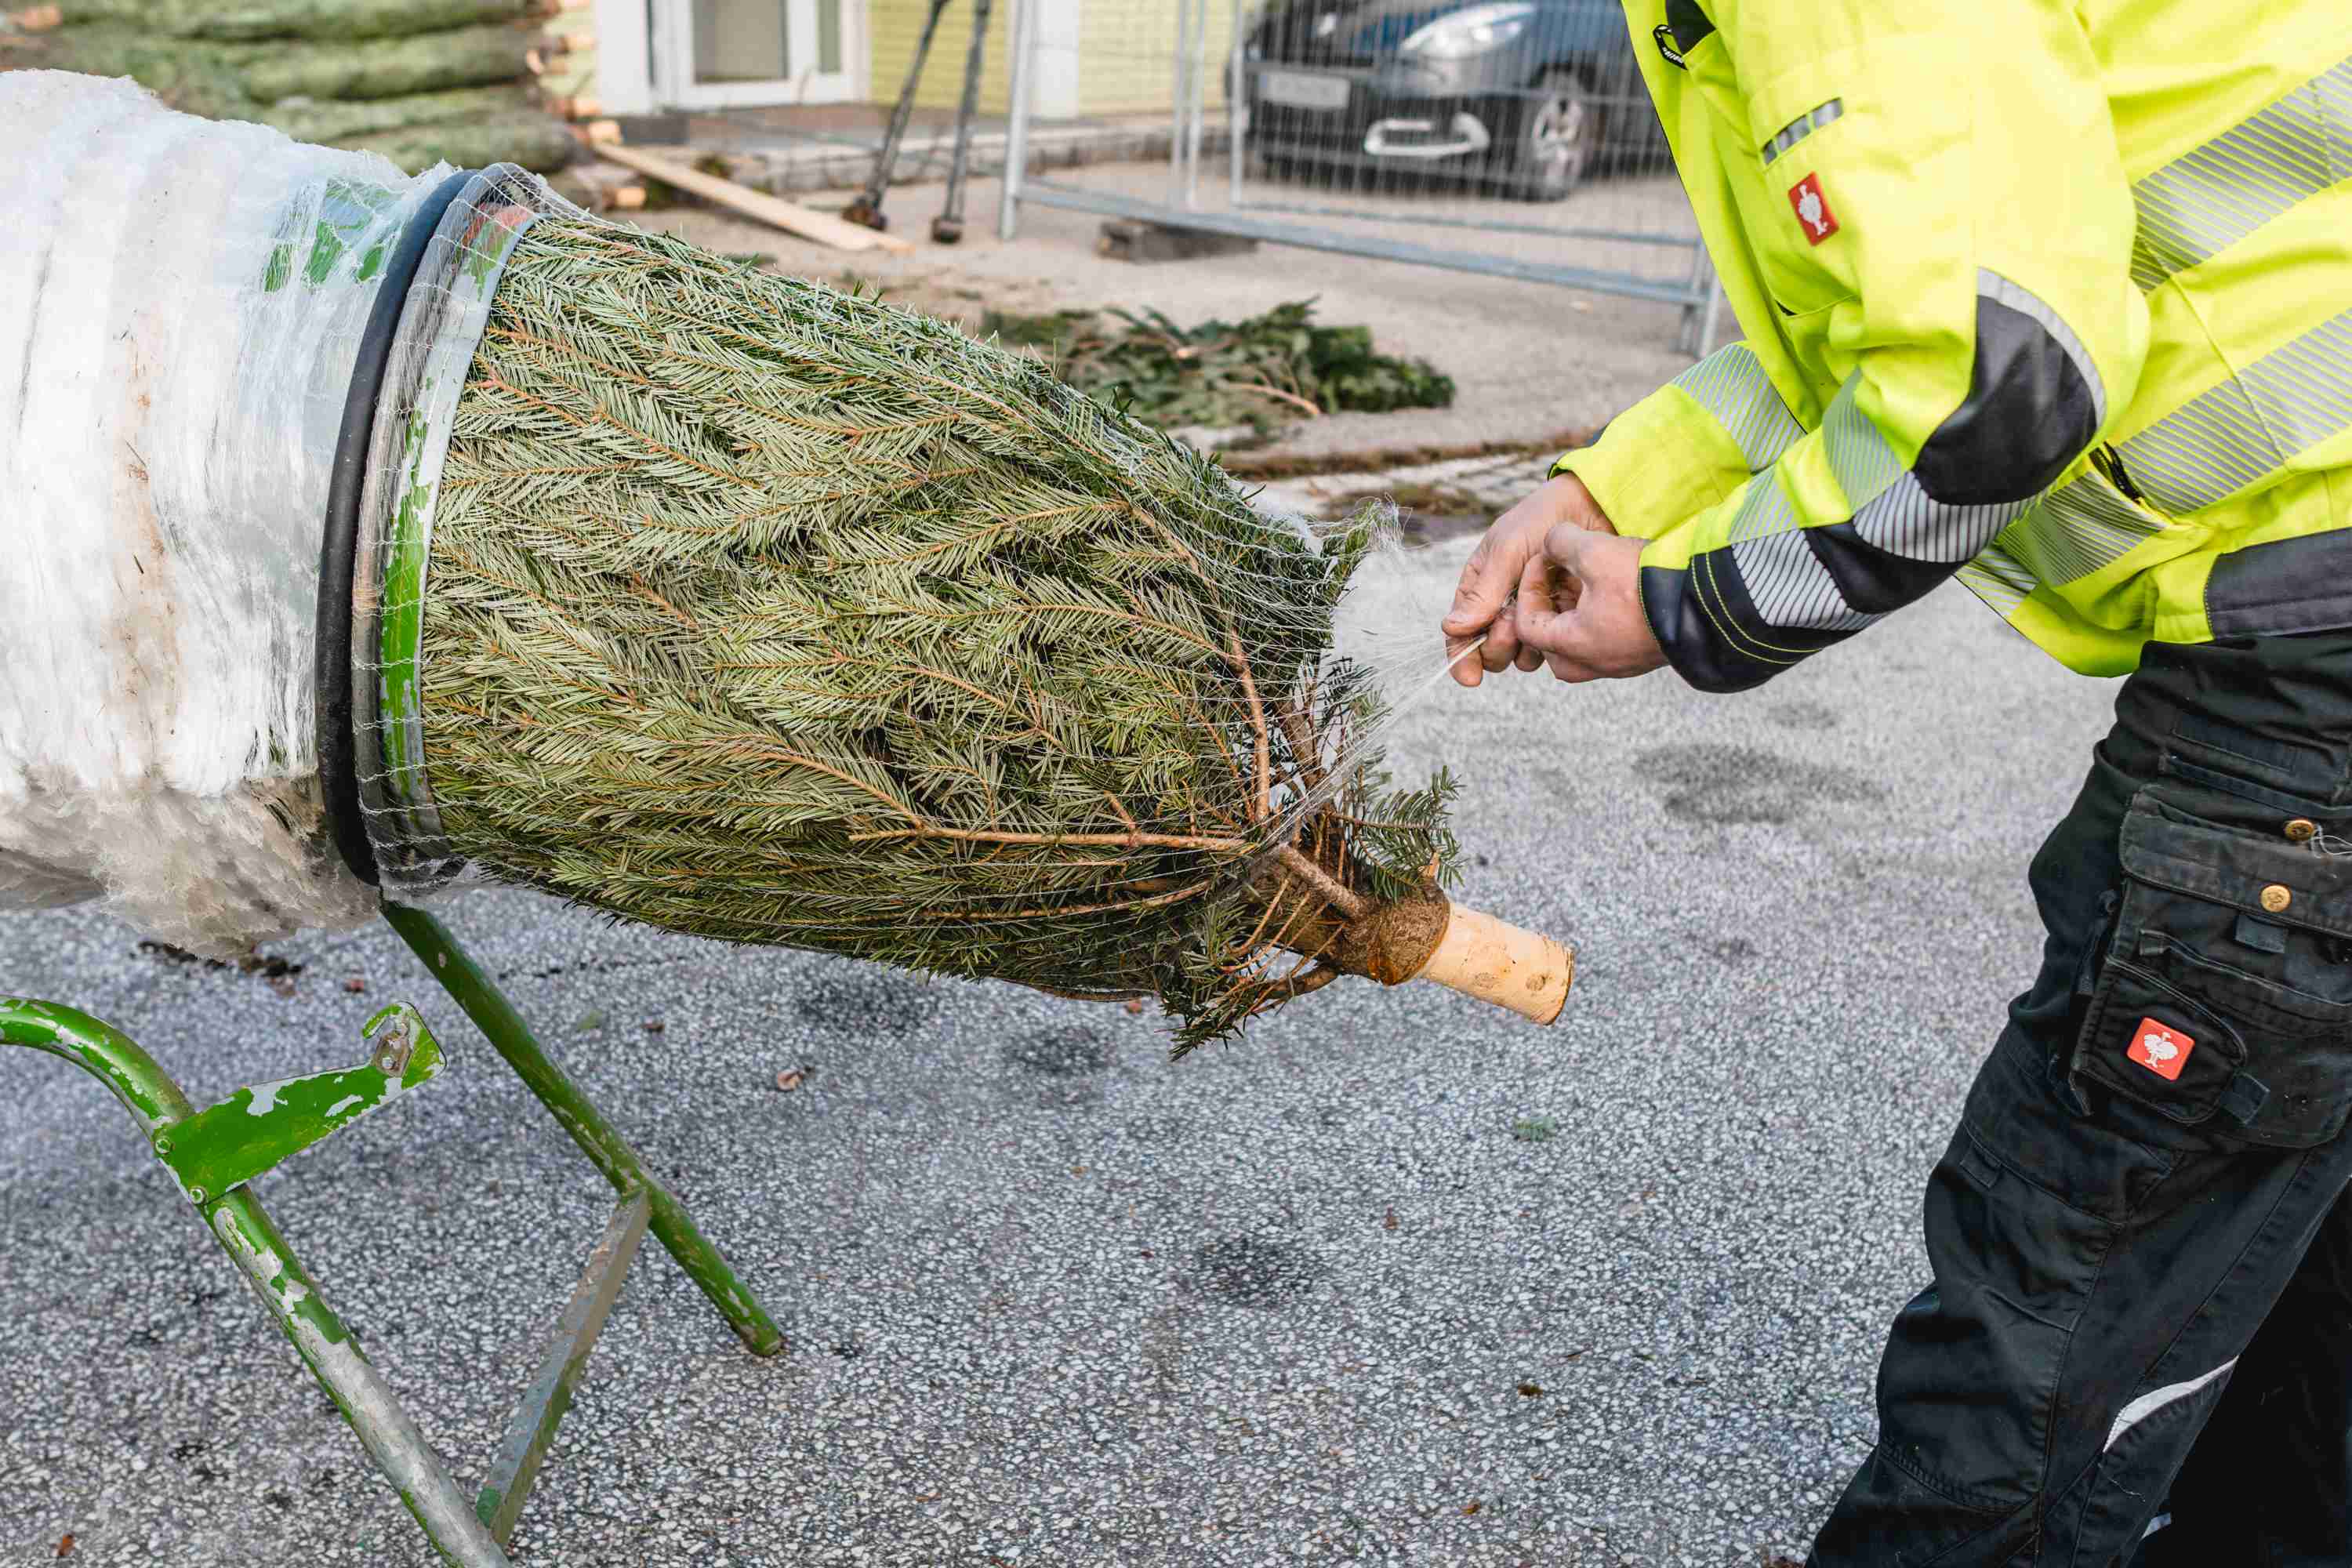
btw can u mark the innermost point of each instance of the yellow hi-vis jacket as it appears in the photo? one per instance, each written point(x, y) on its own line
point(2053, 295)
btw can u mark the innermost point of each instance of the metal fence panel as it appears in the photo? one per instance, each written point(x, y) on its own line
point(1509, 137)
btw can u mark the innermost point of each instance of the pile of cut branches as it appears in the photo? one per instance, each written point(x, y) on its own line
point(1262, 372)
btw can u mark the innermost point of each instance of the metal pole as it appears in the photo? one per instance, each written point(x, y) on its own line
point(1714, 312)
point(1180, 92)
point(1194, 135)
point(480, 995)
point(531, 1431)
point(1016, 127)
point(1236, 110)
point(867, 208)
point(367, 1401)
point(948, 227)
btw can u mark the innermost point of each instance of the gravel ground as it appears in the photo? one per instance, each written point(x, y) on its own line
point(1327, 1295)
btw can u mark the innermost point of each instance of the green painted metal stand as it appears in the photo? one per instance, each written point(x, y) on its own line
point(213, 1153)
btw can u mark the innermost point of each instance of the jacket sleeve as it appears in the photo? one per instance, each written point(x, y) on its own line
point(1690, 445)
point(1940, 180)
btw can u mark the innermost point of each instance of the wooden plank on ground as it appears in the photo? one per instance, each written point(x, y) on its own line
point(823, 227)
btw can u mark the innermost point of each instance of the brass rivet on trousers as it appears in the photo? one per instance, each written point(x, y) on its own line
point(2276, 898)
point(2301, 829)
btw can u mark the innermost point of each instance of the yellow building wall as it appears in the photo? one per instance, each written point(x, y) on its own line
point(1127, 54)
point(895, 27)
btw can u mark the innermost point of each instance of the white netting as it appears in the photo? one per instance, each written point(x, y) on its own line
point(179, 304)
point(440, 325)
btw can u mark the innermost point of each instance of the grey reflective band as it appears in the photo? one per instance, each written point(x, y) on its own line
point(1790, 588)
point(1764, 510)
point(1860, 459)
point(1731, 386)
point(1906, 521)
point(2245, 430)
point(2148, 1403)
point(1804, 125)
point(2081, 526)
point(1999, 578)
point(2210, 198)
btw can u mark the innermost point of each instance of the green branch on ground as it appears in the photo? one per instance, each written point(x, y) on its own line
point(1267, 371)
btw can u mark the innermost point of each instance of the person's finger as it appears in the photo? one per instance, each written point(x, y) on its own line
point(1545, 592)
point(1476, 596)
point(1531, 658)
point(1501, 640)
point(1462, 664)
point(1487, 579)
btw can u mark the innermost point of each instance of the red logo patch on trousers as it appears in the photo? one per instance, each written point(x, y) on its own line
point(2160, 1049)
point(1813, 208)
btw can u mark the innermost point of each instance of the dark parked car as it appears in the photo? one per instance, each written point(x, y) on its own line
point(1533, 94)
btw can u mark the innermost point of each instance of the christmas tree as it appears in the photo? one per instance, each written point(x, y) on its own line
point(774, 614)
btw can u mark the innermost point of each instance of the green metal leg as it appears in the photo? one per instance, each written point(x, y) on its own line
point(480, 995)
point(532, 1429)
point(285, 1289)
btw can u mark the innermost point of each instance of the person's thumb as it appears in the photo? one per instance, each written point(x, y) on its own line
point(1566, 545)
point(1481, 594)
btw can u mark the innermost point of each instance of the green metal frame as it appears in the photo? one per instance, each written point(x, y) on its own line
point(215, 1153)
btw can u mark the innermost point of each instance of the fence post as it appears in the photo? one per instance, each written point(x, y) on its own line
point(1236, 110)
point(1016, 119)
point(1179, 89)
point(1714, 312)
point(1200, 104)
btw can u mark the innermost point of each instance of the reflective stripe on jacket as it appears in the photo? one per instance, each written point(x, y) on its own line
point(2053, 297)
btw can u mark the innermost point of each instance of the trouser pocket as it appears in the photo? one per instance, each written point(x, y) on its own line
point(2225, 998)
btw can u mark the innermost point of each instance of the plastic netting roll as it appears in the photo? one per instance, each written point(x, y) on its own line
point(181, 302)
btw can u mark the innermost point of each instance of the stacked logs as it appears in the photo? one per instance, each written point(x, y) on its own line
point(420, 82)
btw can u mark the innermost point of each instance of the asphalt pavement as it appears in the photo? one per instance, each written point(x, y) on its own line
point(1395, 1280)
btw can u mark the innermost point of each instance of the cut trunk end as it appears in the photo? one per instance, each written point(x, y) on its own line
point(1500, 963)
point(1462, 949)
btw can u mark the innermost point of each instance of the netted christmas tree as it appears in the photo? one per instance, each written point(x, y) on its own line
point(769, 613)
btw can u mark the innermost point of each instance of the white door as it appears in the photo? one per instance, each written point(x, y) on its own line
point(714, 54)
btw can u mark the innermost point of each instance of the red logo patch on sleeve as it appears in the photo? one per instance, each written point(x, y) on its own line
point(2160, 1049)
point(1812, 209)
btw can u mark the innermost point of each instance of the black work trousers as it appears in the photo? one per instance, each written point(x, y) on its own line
point(2136, 1350)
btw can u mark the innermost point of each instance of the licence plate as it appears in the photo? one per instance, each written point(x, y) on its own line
point(1298, 90)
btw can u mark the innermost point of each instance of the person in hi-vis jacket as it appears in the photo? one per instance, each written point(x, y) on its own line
point(2055, 298)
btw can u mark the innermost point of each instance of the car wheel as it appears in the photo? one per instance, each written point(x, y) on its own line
point(1559, 139)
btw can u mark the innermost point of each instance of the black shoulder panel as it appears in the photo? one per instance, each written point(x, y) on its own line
point(2029, 413)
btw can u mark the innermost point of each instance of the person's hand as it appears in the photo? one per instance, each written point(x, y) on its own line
point(1580, 606)
point(1481, 602)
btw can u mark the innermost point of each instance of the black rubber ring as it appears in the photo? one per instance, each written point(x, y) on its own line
point(338, 777)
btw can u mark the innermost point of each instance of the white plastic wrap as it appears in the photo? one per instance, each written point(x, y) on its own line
point(180, 307)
